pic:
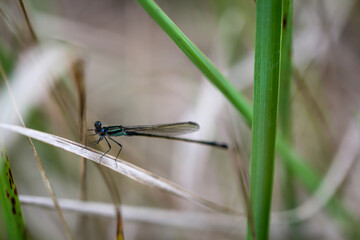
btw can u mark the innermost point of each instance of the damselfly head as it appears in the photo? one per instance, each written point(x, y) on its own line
point(98, 126)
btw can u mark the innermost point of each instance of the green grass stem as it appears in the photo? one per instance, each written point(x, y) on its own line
point(9, 201)
point(266, 94)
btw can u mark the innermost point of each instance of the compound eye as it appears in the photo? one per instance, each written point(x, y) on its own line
point(97, 123)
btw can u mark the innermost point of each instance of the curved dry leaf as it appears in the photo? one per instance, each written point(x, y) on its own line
point(132, 171)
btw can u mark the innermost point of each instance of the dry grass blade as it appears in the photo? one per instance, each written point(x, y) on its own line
point(78, 77)
point(115, 197)
point(240, 168)
point(120, 166)
point(202, 221)
point(44, 177)
point(26, 16)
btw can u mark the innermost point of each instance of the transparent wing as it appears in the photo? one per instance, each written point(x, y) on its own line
point(170, 129)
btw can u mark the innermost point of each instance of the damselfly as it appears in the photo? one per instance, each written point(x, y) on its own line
point(167, 131)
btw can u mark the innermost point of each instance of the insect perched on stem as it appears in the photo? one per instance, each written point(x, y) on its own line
point(167, 131)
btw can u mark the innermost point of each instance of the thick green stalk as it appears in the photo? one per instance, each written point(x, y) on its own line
point(266, 94)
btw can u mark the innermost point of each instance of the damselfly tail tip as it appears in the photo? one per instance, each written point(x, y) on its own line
point(223, 145)
point(217, 144)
